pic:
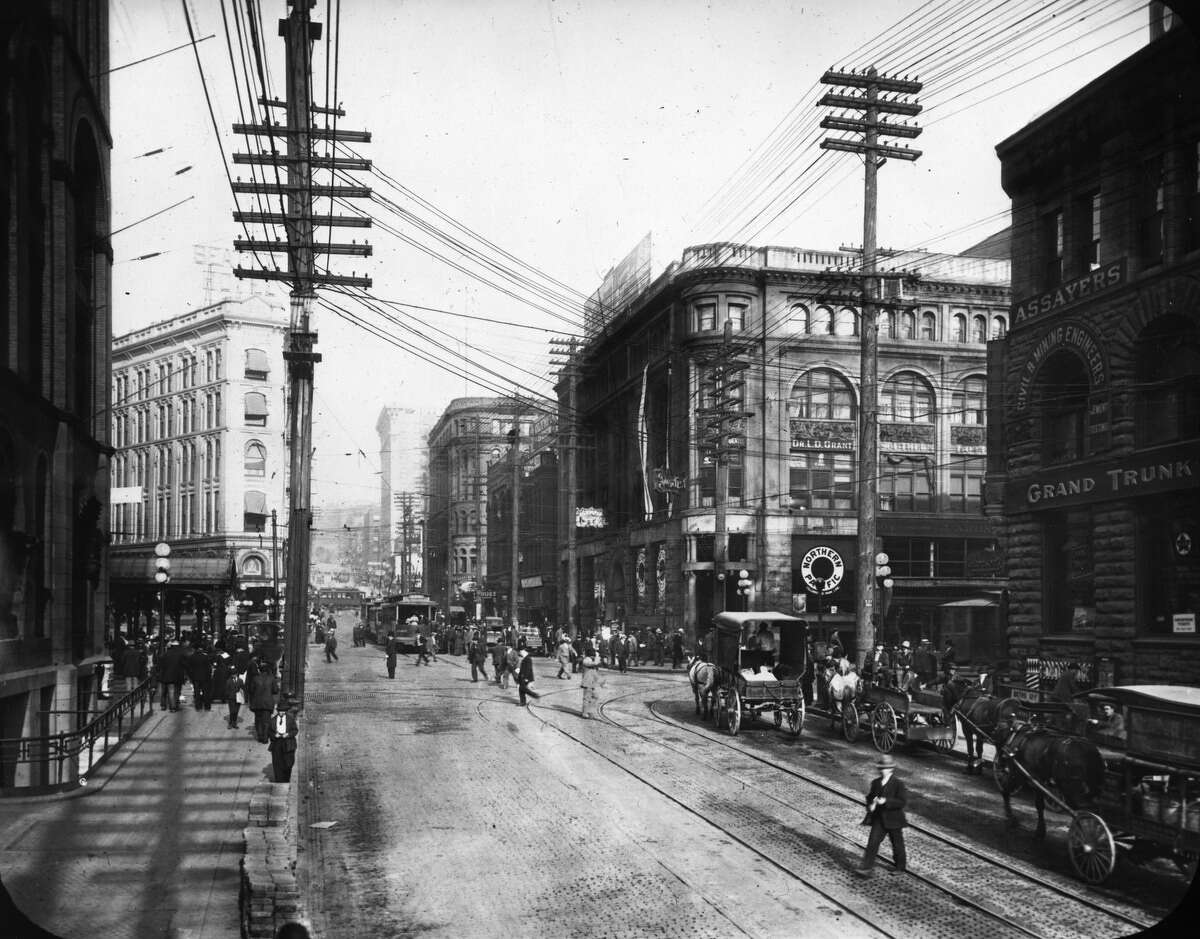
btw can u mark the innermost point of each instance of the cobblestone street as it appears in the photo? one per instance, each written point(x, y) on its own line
point(452, 811)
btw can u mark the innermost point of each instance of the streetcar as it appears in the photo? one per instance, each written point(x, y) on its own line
point(392, 614)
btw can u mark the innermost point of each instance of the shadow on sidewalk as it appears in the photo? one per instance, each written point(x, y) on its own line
point(16, 924)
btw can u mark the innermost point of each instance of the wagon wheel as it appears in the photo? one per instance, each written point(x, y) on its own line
point(795, 717)
point(1006, 775)
point(951, 722)
point(734, 712)
point(883, 727)
point(849, 721)
point(718, 710)
point(1090, 844)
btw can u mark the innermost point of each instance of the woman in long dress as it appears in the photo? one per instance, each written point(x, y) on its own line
point(590, 681)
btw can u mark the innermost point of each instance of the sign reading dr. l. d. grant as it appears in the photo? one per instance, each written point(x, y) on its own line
point(1162, 470)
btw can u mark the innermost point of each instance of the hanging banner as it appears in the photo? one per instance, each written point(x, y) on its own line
point(643, 448)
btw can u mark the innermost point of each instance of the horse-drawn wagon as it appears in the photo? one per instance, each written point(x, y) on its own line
point(1144, 793)
point(760, 658)
point(893, 715)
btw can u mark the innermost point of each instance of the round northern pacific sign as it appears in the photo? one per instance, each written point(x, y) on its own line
point(822, 563)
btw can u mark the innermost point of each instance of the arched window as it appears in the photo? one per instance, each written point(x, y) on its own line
point(1060, 396)
point(979, 329)
point(886, 321)
point(846, 322)
point(970, 402)
point(908, 325)
point(797, 318)
point(822, 395)
point(255, 409)
point(960, 327)
point(999, 327)
point(907, 397)
point(928, 327)
point(1168, 381)
point(256, 459)
point(821, 322)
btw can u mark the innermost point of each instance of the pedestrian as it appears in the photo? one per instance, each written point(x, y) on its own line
point(949, 657)
point(170, 675)
point(925, 664)
point(658, 644)
point(284, 729)
point(589, 682)
point(878, 666)
point(434, 636)
point(885, 814)
point(331, 645)
point(235, 696)
point(525, 675)
point(677, 648)
point(621, 651)
point(477, 651)
point(512, 661)
point(391, 647)
point(220, 675)
point(576, 652)
point(136, 662)
point(500, 660)
point(199, 669)
point(422, 648)
point(116, 650)
point(565, 654)
point(264, 690)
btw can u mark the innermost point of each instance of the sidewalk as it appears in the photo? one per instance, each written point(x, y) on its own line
point(152, 846)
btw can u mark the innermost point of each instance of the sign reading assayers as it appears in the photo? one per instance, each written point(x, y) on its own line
point(1069, 292)
point(1164, 470)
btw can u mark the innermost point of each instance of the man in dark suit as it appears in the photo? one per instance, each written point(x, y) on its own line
point(284, 729)
point(885, 814)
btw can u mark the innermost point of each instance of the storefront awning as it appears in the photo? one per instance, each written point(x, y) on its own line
point(257, 362)
point(256, 502)
point(971, 601)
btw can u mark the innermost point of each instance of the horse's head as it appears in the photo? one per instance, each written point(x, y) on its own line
point(1078, 771)
point(1004, 730)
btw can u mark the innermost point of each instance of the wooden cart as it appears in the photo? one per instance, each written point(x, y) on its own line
point(892, 715)
point(752, 681)
point(1150, 805)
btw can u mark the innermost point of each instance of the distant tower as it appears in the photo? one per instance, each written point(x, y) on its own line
point(402, 482)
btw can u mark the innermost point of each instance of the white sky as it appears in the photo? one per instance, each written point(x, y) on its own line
point(563, 132)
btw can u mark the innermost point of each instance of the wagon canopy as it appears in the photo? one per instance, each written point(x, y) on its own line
point(1162, 722)
point(732, 632)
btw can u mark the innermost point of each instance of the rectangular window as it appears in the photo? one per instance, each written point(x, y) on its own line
point(706, 317)
point(1151, 212)
point(1068, 571)
point(737, 476)
point(1062, 435)
point(1052, 248)
point(708, 478)
point(737, 317)
point(909, 557)
point(905, 484)
point(705, 549)
point(1168, 577)
point(966, 484)
point(822, 480)
point(949, 557)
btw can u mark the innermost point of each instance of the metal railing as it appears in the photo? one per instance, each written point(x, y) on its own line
point(62, 761)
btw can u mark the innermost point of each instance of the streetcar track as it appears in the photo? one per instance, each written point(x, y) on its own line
point(986, 857)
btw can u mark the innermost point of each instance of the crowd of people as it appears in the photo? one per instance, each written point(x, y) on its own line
point(238, 670)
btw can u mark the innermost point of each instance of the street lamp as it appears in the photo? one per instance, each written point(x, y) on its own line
point(162, 576)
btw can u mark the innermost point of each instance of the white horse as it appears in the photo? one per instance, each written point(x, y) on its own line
point(703, 676)
point(843, 685)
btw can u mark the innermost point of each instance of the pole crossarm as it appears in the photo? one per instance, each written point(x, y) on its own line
point(362, 251)
point(320, 221)
point(870, 79)
point(900, 153)
point(347, 164)
point(316, 191)
point(312, 131)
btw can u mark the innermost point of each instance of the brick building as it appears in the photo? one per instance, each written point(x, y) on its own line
point(651, 519)
point(1094, 456)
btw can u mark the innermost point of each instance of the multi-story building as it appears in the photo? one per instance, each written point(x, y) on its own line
point(402, 485)
point(651, 519)
point(468, 436)
point(199, 424)
point(1094, 459)
point(55, 327)
point(537, 529)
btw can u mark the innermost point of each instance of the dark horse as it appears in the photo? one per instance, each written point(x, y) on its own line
point(1072, 765)
point(980, 714)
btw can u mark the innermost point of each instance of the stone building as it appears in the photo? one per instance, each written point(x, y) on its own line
point(470, 434)
point(1095, 447)
point(650, 518)
point(198, 423)
point(55, 329)
point(402, 485)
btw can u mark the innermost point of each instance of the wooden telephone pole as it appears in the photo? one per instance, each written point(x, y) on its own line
point(874, 155)
point(298, 221)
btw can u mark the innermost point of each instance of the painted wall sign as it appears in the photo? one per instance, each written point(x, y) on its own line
point(822, 563)
point(1166, 469)
point(1074, 337)
point(1070, 292)
point(823, 435)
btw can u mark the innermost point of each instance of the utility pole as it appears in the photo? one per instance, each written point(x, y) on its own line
point(299, 33)
point(724, 435)
point(569, 370)
point(874, 155)
point(515, 456)
point(274, 565)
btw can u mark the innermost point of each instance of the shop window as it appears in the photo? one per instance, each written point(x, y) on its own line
point(949, 557)
point(1168, 382)
point(966, 484)
point(909, 557)
point(1068, 572)
point(822, 480)
point(1168, 565)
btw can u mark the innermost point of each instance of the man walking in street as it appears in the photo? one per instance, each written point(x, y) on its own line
point(885, 814)
point(677, 648)
point(565, 654)
point(391, 647)
point(199, 669)
point(171, 673)
point(264, 688)
point(525, 676)
point(422, 649)
point(331, 645)
point(477, 652)
point(500, 660)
